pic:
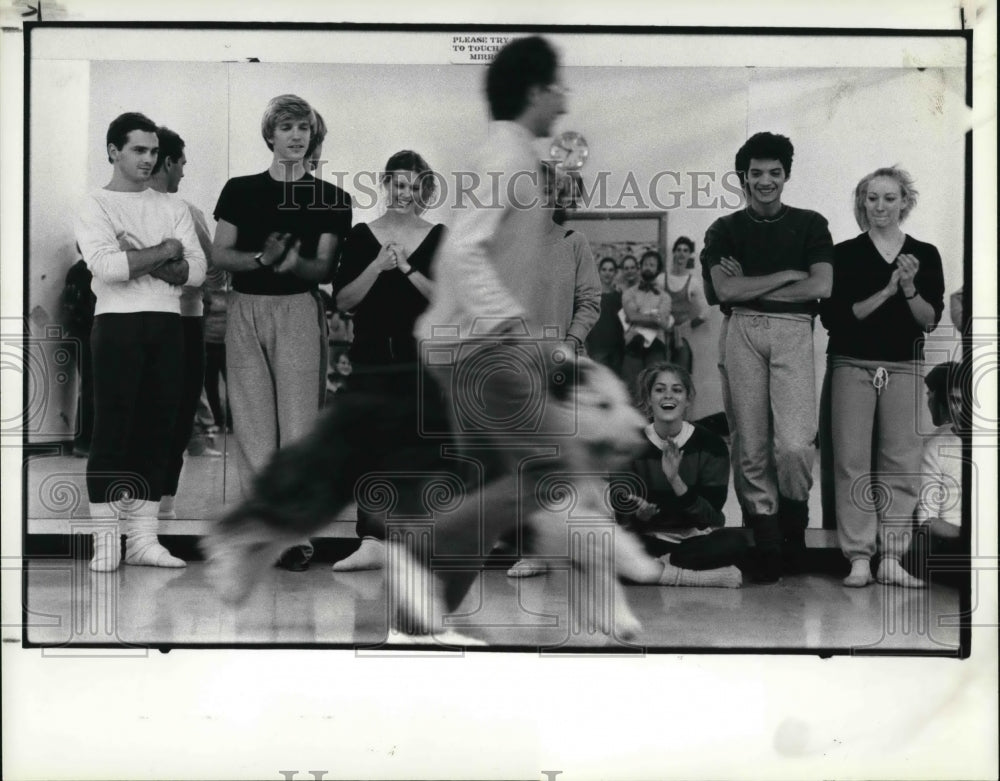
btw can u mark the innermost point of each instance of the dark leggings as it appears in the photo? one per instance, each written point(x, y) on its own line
point(192, 376)
point(215, 367)
point(137, 390)
point(721, 548)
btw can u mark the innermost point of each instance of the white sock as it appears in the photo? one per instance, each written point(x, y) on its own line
point(371, 555)
point(142, 548)
point(891, 572)
point(107, 537)
point(861, 574)
point(166, 511)
point(721, 577)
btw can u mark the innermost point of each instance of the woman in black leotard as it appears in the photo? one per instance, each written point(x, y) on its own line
point(384, 280)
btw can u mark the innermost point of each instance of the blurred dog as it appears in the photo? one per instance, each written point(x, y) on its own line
point(309, 482)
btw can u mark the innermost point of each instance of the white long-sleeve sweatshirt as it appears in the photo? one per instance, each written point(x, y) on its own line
point(109, 220)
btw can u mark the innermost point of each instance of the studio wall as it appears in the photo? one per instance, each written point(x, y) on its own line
point(639, 121)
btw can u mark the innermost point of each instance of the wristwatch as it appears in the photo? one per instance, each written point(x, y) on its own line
point(407, 273)
point(257, 259)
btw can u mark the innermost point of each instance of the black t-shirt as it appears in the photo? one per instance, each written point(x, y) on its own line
point(259, 205)
point(386, 316)
point(889, 333)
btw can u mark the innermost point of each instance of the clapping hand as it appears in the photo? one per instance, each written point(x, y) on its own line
point(275, 247)
point(644, 510)
point(388, 257)
point(402, 259)
point(670, 461)
point(291, 260)
point(893, 286)
point(907, 266)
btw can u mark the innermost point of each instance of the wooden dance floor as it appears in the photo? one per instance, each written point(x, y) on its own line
point(69, 605)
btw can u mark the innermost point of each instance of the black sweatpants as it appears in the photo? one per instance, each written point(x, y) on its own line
point(137, 389)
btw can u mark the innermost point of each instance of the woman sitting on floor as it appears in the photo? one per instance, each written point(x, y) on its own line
point(685, 474)
point(938, 517)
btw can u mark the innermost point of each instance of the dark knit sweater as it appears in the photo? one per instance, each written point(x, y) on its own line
point(704, 468)
point(795, 240)
point(889, 333)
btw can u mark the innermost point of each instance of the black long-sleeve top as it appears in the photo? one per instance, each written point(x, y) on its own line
point(890, 333)
point(704, 468)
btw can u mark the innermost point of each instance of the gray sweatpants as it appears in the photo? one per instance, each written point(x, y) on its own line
point(875, 507)
point(772, 389)
point(727, 405)
point(275, 359)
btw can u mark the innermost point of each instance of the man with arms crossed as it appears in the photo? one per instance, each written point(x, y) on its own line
point(770, 264)
point(141, 247)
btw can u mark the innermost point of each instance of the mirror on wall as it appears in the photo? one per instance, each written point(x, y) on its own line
point(661, 136)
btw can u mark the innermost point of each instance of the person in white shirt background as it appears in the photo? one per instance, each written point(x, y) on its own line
point(938, 516)
point(687, 295)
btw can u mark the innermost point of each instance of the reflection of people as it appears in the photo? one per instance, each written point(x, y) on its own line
point(384, 280)
point(141, 247)
point(647, 313)
point(888, 293)
point(939, 507)
point(339, 326)
point(278, 234)
point(216, 305)
point(687, 300)
point(606, 340)
point(685, 472)
point(78, 316)
point(339, 374)
point(956, 310)
point(166, 178)
point(770, 264)
point(628, 273)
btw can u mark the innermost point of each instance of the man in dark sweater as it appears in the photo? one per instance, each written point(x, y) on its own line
point(769, 265)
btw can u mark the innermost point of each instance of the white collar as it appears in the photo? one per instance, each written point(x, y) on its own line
point(680, 440)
